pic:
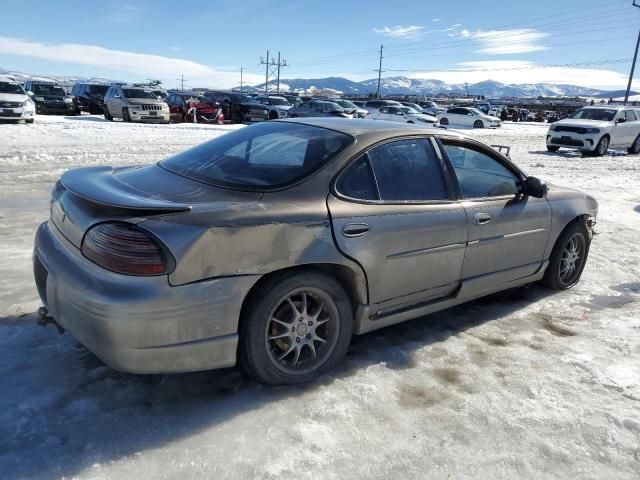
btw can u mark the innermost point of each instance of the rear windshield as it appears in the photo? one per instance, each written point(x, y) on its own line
point(8, 87)
point(45, 89)
point(98, 89)
point(264, 155)
point(594, 114)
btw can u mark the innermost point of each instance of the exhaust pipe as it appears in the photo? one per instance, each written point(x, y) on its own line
point(45, 319)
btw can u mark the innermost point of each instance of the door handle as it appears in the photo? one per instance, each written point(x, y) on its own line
point(355, 229)
point(481, 218)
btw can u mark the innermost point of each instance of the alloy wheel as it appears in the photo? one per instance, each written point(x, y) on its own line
point(571, 259)
point(302, 330)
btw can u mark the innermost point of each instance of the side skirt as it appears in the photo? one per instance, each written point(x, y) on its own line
point(470, 289)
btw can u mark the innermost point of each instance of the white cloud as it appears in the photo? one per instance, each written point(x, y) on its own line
point(519, 71)
point(436, 19)
point(399, 31)
point(141, 64)
point(503, 42)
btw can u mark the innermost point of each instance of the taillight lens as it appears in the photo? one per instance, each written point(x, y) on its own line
point(125, 248)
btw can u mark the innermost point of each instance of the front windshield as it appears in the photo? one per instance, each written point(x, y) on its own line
point(98, 89)
point(409, 110)
point(345, 104)
point(9, 87)
point(331, 107)
point(476, 111)
point(264, 155)
point(594, 114)
point(138, 93)
point(243, 99)
point(44, 89)
point(279, 101)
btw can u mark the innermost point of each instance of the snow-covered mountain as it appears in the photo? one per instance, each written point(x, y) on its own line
point(65, 81)
point(408, 86)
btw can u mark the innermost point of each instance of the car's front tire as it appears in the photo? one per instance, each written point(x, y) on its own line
point(295, 327)
point(107, 115)
point(602, 147)
point(444, 121)
point(478, 124)
point(551, 148)
point(125, 115)
point(568, 258)
point(273, 116)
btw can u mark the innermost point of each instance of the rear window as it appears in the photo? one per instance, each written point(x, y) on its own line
point(261, 156)
point(98, 89)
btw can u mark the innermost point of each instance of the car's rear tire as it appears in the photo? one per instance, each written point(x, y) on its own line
point(273, 116)
point(125, 115)
point(602, 147)
point(236, 118)
point(551, 148)
point(568, 257)
point(444, 121)
point(410, 121)
point(29, 120)
point(294, 328)
point(107, 115)
point(478, 124)
point(635, 148)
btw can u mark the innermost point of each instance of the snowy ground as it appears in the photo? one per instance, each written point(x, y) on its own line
point(523, 384)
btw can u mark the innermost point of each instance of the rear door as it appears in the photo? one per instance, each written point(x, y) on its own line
point(508, 232)
point(393, 210)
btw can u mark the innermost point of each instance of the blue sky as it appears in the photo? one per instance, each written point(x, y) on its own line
point(208, 41)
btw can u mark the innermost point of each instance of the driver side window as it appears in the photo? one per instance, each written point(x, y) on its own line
point(480, 175)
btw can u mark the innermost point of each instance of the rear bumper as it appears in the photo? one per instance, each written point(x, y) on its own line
point(139, 324)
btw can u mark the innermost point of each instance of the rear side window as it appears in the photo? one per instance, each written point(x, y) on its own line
point(404, 170)
point(265, 155)
point(630, 115)
point(480, 175)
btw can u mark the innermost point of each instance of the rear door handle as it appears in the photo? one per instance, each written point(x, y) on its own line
point(355, 229)
point(481, 218)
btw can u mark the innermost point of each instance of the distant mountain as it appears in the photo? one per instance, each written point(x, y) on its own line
point(413, 86)
point(615, 94)
point(65, 81)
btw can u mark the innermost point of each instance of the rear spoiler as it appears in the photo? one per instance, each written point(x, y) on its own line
point(98, 185)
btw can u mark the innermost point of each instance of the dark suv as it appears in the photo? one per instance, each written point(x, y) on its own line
point(89, 97)
point(49, 97)
point(239, 107)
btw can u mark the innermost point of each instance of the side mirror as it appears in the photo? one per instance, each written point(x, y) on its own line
point(534, 187)
point(621, 120)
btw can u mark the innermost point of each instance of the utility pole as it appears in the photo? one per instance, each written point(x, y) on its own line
point(241, 70)
point(272, 69)
point(466, 86)
point(181, 80)
point(633, 64)
point(379, 73)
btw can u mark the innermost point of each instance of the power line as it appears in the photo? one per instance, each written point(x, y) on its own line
point(182, 82)
point(272, 69)
point(589, 63)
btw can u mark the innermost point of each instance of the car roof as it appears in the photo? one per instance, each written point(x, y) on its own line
point(607, 107)
point(356, 126)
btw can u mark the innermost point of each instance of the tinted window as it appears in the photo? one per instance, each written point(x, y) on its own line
point(631, 116)
point(262, 155)
point(98, 89)
point(138, 93)
point(10, 87)
point(357, 181)
point(594, 114)
point(479, 175)
point(45, 89)
point(408, 170)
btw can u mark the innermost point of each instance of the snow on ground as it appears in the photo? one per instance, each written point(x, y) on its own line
point(523, 384)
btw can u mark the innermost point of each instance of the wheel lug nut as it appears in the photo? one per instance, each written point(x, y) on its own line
point(293, 329)
point(308, 335)
point(297, 339)
point(310, 324)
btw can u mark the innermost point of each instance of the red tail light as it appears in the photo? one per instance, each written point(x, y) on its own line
point(127, 249)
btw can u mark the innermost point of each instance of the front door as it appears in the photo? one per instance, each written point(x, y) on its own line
point(508, 231)
point(394, 212)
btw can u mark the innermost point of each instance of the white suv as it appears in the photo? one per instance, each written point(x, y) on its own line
point(596, 129)
point(15, 104)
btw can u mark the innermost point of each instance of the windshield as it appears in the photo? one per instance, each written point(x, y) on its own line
point(409, 110)
point(345, 104)
point(243, 99)
point(9, 87)
point(264, 155)
point(594, 114)
point(278, 101)
point(476, 111)
point(45, 89)
point(138, 93)
point(98, 89)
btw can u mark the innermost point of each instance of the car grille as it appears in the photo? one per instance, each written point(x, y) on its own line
point(10, 114)
point(151, 107)
point(567, 141)
point(10, 104)
point(565, 128)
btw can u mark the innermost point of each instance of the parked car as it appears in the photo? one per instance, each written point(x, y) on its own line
point(15, 104)
point(432, 108)
point(318, 108)
point(238, 107)
point(273, 255)
point(415, 106)
point(403, 114)
point(89, 97)
point(350, 108)
point(278, 106)
point(134, 104)
point(49, 97)
point(182, 105)
point(596, 129)
point(372, 106)
point(468, 117)
point(292, 99)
